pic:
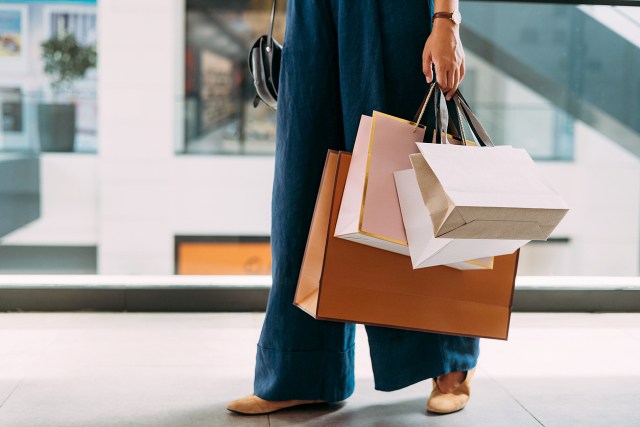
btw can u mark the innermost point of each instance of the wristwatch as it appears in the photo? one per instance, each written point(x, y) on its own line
point(454, 16)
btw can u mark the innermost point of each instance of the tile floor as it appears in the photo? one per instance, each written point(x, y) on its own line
point(174, 369)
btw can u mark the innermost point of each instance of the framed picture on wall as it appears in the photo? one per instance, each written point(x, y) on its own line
point(13, 35)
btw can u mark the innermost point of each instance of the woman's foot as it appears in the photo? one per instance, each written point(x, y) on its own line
point(451, 392)
point(253, 405)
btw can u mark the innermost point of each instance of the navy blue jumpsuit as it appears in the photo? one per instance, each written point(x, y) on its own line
point(341, 59)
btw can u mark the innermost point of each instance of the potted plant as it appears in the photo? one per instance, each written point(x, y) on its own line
point(65, 61)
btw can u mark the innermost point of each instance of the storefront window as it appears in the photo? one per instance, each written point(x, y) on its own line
point(219, 114)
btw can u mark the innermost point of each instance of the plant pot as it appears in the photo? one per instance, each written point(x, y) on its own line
point(56, 127)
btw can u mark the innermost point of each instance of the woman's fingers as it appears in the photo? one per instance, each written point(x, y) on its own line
point(444, 49)
point(449, 79)
point(454, 84)
point(446, 79)
point(426, 66)
point(442, 77)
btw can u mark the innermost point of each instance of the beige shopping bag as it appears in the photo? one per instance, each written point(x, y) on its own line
point(487, 193)
point(425, 249)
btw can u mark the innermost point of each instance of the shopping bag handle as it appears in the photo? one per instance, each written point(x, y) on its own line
point(423, 106)
point(476, 127)
point(441, 119)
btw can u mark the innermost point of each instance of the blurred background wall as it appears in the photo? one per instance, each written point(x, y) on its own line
point(171, 167)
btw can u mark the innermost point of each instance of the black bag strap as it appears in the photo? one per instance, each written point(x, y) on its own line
point(442, 117)
point(444, 121)
point(476, 127)
point(269, 47)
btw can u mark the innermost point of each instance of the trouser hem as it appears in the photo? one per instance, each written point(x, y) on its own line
point(421, 376)
point(411, 357)
point(304, 375)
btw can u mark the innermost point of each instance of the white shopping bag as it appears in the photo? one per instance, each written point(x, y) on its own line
point(424, 248)
point(487, 193)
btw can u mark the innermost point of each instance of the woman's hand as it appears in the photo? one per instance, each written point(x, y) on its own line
point(444, 49)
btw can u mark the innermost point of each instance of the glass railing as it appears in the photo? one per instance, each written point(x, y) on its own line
point(515, 114)
point(623, 20)
point(580, 60)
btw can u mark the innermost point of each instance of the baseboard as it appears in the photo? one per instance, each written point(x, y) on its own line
point(238, 299)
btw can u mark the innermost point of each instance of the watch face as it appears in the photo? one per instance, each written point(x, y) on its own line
point(456, 17)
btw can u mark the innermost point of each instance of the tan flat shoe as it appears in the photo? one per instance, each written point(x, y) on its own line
point(446, 403)
point(253, 405)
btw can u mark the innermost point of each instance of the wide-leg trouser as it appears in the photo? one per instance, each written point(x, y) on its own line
point(341, 59)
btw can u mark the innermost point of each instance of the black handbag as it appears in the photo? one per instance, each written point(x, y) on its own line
point(264, 66)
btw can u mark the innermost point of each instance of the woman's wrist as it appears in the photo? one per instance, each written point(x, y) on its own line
point(444, 25)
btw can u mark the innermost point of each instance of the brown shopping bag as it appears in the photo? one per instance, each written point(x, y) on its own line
point(345, 281)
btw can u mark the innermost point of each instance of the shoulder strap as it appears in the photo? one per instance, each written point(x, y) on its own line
point(270, 35)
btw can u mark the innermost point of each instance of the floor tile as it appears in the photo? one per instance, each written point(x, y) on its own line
point(19, 349)
point(181, 369)
point(490, 406)
point(633, 332)
point(149, 396)
point(585, 411)
point(568, 358)
point(144, 347)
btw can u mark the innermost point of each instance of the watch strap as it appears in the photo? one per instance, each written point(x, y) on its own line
point(447, 15)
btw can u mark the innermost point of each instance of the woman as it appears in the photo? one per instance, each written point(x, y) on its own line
point(342, 59)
